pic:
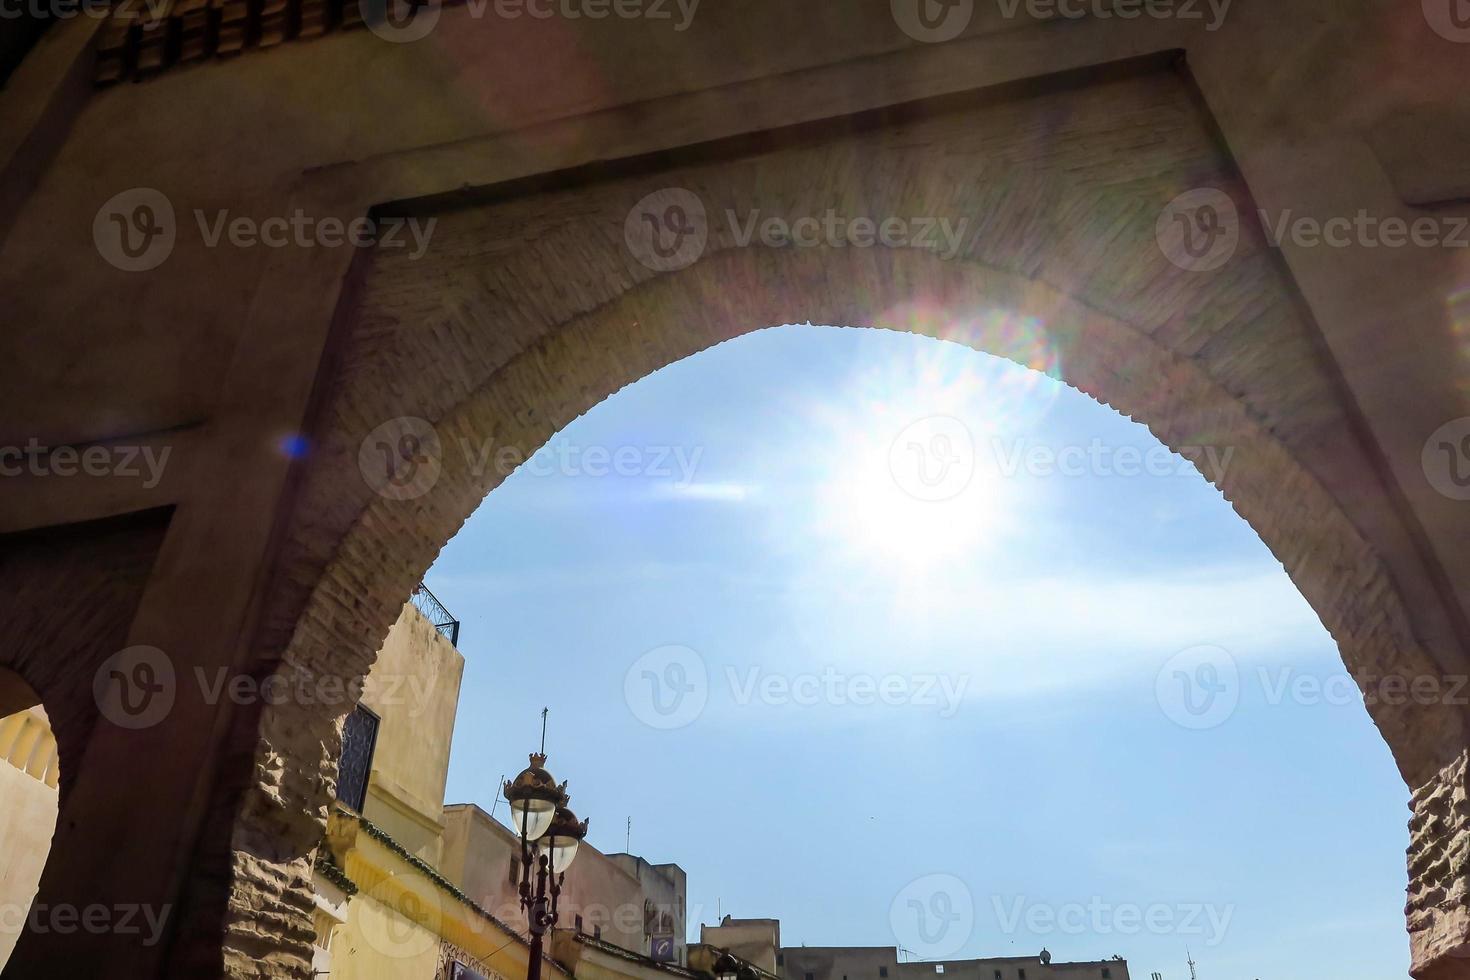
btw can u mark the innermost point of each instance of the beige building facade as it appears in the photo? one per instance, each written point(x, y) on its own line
point(882, 963)
point(383, 909)
point(29, 772)
point(620, 899)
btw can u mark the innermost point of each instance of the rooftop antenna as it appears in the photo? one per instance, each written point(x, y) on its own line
point(628, 840)
point(1188, 958)
point(544, 713)
point(496, 802)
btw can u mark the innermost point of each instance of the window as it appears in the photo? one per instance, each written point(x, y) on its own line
point(579, 923)
point(355, 765)
point(882, 971)
point(1107, 974)
point(780, 959)
point(1021, 974)
point(597, 932)
point(938, 967)
point(515, 871)
point(997, 975)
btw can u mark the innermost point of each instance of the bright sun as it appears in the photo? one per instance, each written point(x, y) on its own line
point(914, 496)
point(913, 479)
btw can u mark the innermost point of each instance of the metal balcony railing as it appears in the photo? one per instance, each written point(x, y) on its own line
point(434, 611)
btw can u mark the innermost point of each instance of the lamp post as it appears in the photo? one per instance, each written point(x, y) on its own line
point(549, 834)
point(728, 967)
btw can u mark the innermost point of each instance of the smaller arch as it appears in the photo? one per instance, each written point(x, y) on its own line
point(30, 774)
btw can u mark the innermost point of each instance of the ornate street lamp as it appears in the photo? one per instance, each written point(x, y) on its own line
point(549, 835)
point(727, 967)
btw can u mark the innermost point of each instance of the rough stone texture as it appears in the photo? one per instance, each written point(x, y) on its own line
point(1439, 857)
point(528, 311)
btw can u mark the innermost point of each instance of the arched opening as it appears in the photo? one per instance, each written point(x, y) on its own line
point(746, 539)
point(528, 309)
point(29, 778)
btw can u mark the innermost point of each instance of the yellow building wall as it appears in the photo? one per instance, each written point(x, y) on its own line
point(28, 807)
point(379, 943)
point(414, 690)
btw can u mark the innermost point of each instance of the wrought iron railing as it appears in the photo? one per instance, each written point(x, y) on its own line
point(434, 611)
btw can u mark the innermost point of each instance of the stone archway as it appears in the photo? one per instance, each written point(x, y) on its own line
point(528, 307)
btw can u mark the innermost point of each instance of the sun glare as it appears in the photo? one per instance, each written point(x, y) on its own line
point(913, 480)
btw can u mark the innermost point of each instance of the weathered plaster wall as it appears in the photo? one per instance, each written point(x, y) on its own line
point(479, 853)
point(414, 689)
point(28, 817)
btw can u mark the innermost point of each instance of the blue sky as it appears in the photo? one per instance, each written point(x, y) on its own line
point(815, 610)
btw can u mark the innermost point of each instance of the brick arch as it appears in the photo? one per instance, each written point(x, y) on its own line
point(528, 310)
